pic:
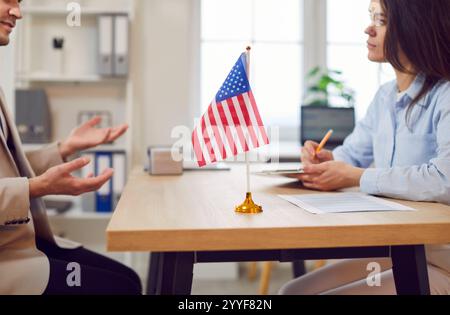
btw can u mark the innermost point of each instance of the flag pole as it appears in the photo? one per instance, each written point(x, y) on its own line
point(247, 162)
point(249, 206)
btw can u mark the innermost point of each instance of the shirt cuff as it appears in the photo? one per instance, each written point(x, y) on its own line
point(369, 181)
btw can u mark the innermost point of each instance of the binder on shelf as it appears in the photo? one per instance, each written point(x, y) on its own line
point(33, 116)
point(121, 45)
point(104, 196)
point(119, 177)
point(106, 39)
point(88, 200)
point(105, 199)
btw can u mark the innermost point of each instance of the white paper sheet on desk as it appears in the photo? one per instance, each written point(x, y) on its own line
point(343, 202)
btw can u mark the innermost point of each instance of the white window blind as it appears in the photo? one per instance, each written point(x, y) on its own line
point(274, 29)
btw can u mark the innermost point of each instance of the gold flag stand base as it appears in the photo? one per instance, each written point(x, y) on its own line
point(249, 206)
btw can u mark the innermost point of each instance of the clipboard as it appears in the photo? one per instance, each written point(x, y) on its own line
point(281, 172)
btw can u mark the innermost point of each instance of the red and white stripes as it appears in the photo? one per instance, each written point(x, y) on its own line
point(229, 128)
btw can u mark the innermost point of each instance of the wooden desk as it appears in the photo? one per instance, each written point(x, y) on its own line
point(190, 219)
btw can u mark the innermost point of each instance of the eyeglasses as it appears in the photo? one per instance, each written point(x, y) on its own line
point(377, 19)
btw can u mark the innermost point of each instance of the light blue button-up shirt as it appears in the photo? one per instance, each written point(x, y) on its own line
point(412, 160)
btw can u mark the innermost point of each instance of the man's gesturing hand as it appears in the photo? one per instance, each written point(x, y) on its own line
point(59, 181)
point(88, 136)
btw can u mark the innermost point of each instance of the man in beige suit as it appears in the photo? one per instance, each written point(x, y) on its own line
point(32, 261)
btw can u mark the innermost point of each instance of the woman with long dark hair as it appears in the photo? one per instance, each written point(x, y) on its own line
point(405, 136)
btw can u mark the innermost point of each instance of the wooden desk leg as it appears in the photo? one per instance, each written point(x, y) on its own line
point(152, 277)
point(252, 270)
point(175, 273)
point(265, 278)
point(410, 270)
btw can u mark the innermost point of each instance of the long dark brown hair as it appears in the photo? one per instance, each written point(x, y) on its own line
point(420, 29)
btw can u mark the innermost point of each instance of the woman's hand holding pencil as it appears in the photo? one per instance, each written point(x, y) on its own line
point(322, 173)
point(313, 152)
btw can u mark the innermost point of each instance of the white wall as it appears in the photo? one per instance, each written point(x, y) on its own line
point(164, 63)
point(7, 73)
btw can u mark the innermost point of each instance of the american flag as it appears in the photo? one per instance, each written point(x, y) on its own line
point(232, 125)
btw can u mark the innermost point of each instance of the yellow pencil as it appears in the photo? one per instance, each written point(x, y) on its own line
point(324, 141)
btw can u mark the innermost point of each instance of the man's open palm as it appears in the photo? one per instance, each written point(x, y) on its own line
point(88, 136)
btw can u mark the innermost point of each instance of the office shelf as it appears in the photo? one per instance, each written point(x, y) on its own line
point(106, 148)
point(76, 213)
point(39, 10)
point(51, 78)
point(70, 79)
point(32, 147)
point(102, 148)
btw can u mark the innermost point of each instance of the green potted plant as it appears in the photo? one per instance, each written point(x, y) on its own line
point(326, 88)
point(328, 104)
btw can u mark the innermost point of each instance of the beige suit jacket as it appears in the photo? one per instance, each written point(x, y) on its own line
point(23, 268)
